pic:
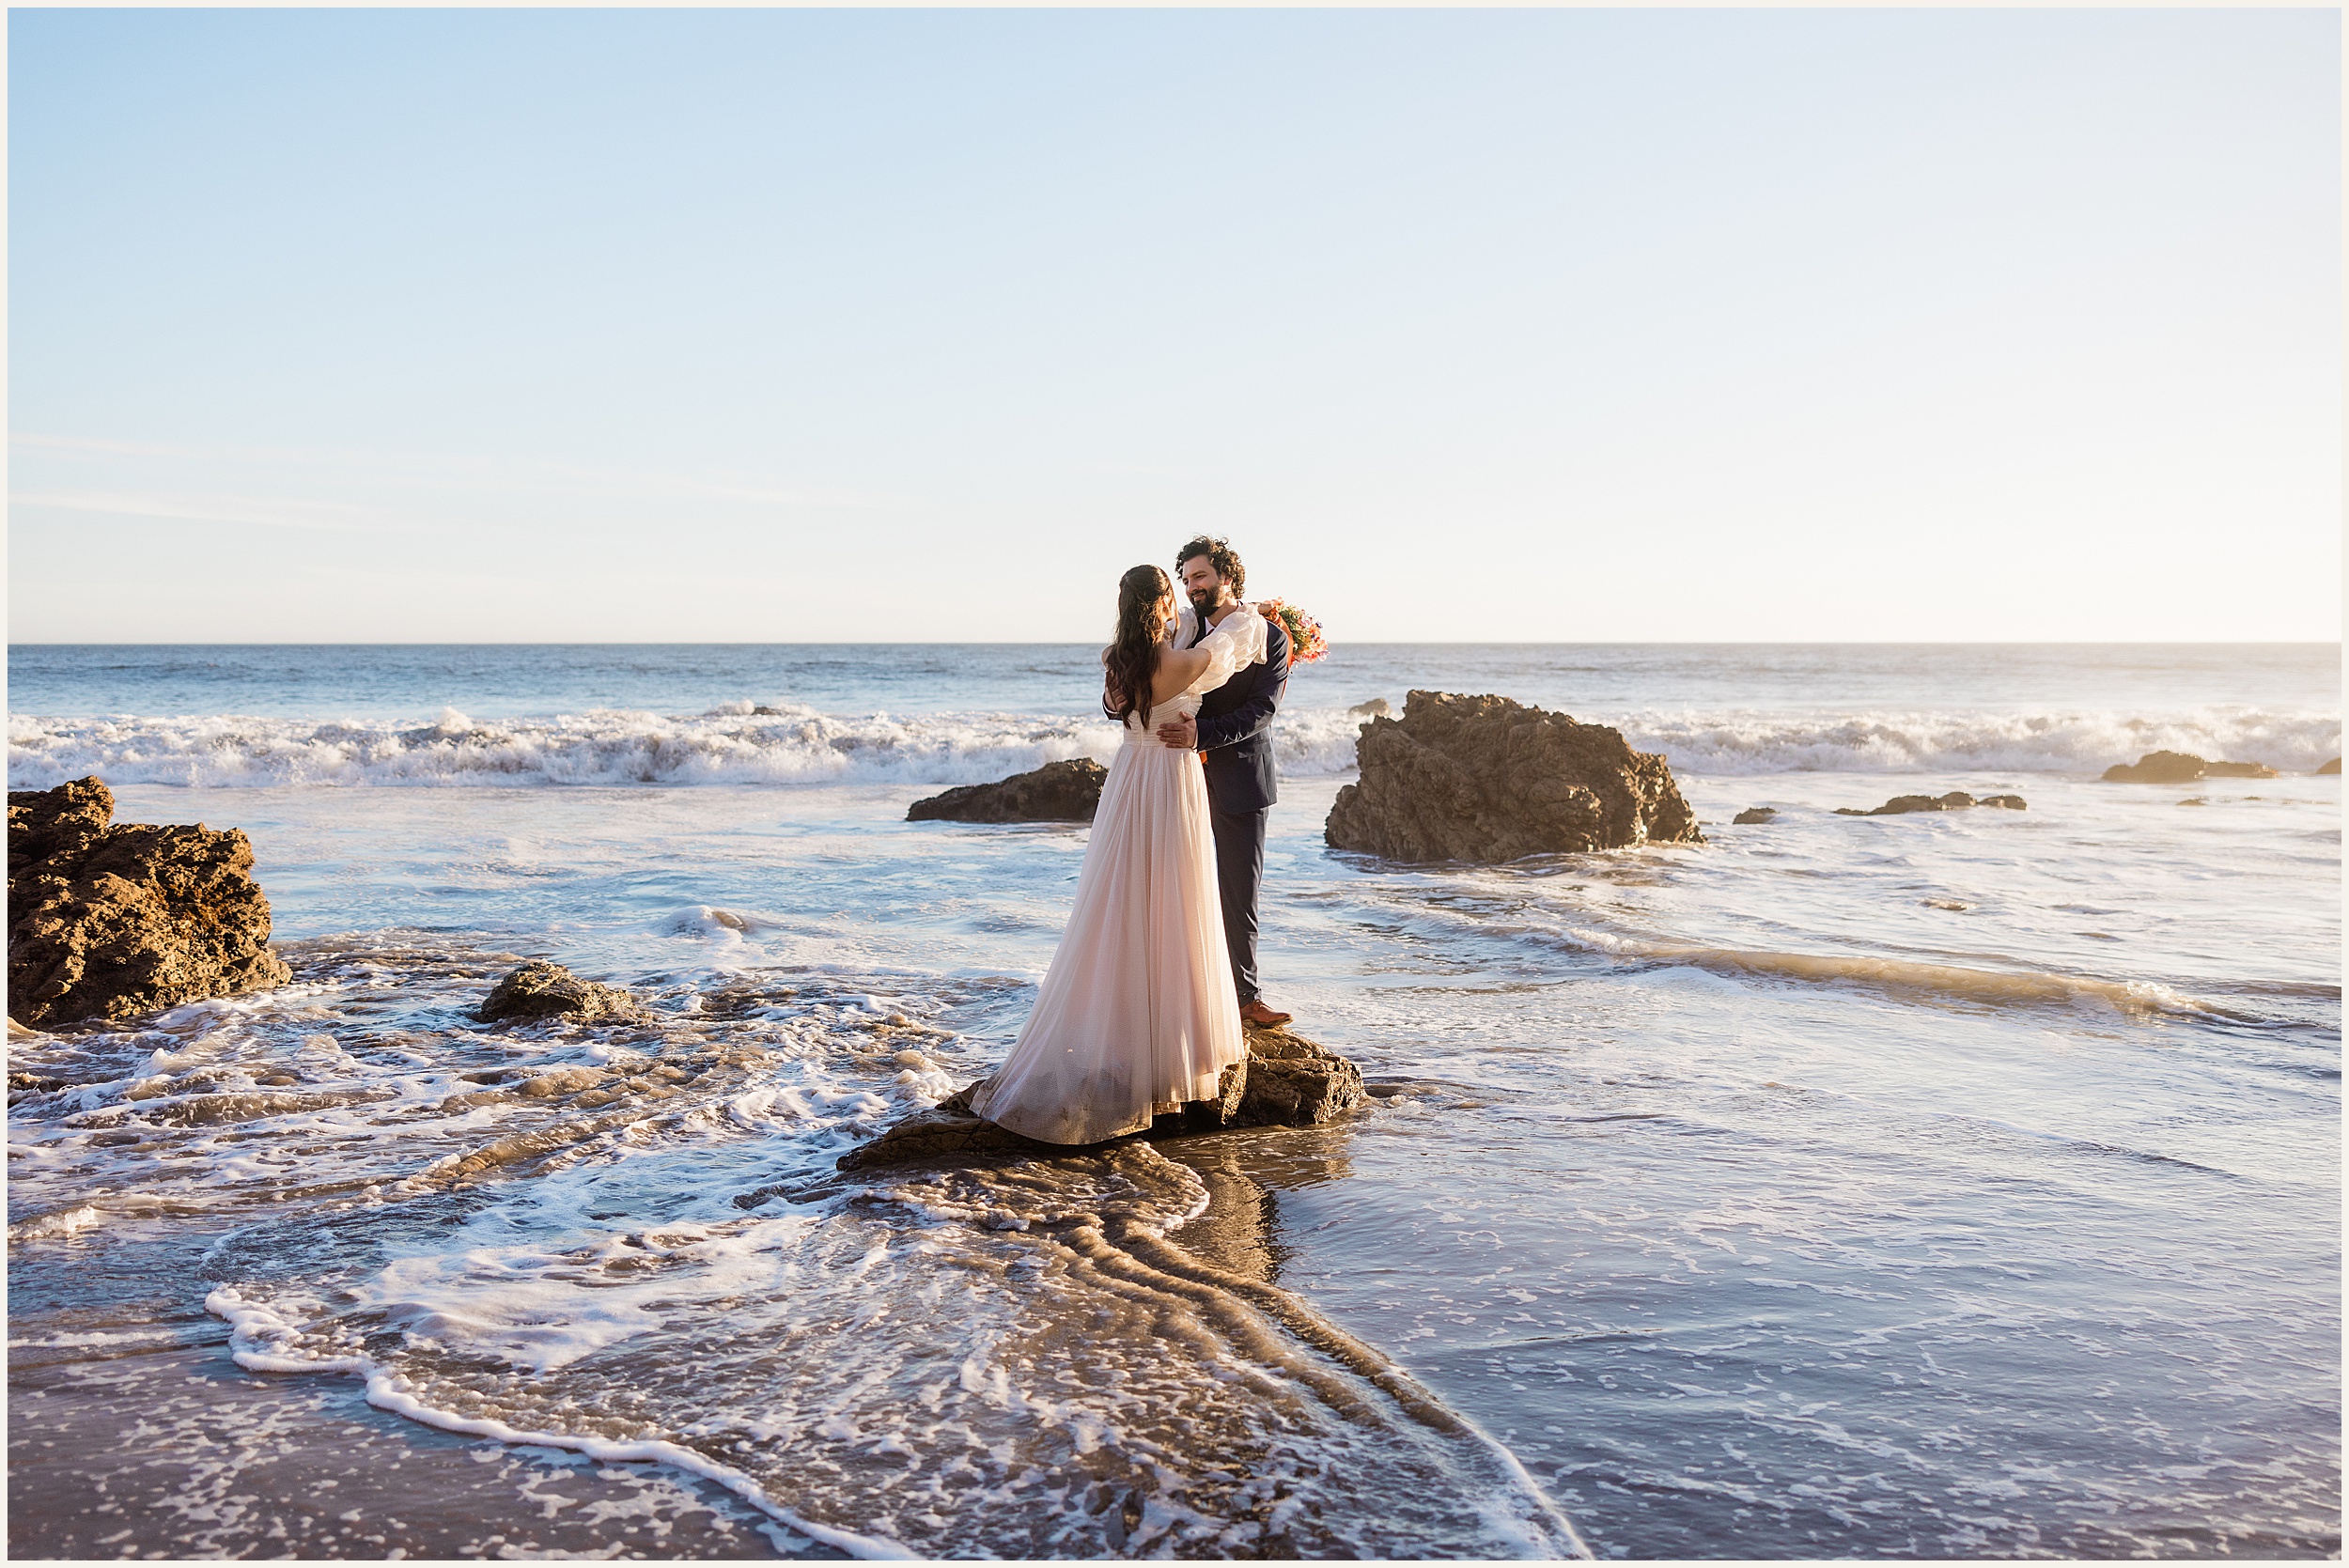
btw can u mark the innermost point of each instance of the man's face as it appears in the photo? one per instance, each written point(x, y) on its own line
point(1203, 583)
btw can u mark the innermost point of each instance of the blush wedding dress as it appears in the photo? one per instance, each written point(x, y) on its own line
point(1137, 1015)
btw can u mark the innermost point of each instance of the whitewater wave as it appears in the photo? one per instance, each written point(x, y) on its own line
point(737, 744)
point(2079, 741)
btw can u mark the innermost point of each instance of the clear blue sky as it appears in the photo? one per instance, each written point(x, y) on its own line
point(867, 325)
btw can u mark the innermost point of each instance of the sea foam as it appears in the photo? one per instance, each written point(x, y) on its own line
point(803, 745)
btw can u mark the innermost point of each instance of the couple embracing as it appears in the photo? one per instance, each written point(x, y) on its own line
point(1144, 1006)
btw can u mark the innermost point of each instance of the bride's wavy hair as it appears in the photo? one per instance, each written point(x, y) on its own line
point(1133, 656)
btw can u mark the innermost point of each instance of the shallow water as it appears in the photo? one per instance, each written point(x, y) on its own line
point(1950, 1184)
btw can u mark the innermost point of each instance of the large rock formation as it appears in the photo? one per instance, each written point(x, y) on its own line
point(2333, 767)
point(1057, 792)
point(1487, 779)
point(539, 989)
point(107, 920)
point(1287, 1082)
point(1956, 799)
point(2182, 767)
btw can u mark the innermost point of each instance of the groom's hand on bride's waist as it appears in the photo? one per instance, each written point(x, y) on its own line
point(1181, 734)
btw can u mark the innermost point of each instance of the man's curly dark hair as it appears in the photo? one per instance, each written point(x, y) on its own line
point(1219, 555)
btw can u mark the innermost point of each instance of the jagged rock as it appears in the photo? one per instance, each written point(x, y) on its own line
point(109, 920)
point(1287, 1082)
point(539, 989)
point(1057, 792)
point(1753, 814)
point(2238, 770)
point(1956, 799)
point(2158, 767)
point(1487, 779)
point(1293, 1082)
point(2332, 766)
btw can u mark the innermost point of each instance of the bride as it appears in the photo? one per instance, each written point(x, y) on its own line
point(1137, 1015)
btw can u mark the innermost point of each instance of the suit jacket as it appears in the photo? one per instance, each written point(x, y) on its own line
point(1236, 724)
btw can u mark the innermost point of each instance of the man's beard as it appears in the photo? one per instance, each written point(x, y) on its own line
point(1206, 599)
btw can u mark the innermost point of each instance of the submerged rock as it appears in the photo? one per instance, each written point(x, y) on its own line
point(1753, 814)
point(108, 920)
point(2238, 770)
point(1956, 799)
point(539, 989)
point(1057, 792)
point(1487, 779)
point(1287, 1082)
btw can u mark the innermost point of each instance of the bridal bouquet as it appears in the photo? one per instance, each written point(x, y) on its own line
point(1306, 642)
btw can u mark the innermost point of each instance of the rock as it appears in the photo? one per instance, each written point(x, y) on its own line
point(2238, 770)
point(107, 920)
point(1287, 1082)
point(2332, 766)
point(1900, 805)
point(1487, 779)
point(1753, 814)
point(539, 989)
point(2158, 767)
point(1057, 792)
point(1290, 1081)
point(1378, 708)
point(1956, 799)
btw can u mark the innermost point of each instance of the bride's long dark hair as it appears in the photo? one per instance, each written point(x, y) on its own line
point(1133, 656)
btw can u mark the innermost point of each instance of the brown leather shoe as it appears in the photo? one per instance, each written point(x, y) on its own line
point(1257, 1015)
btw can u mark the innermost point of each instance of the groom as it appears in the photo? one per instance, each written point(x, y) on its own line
point(1233, 735)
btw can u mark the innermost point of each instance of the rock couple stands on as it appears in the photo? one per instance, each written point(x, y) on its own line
point(1487, 779)
point(1285, 1081)
point(107, 920)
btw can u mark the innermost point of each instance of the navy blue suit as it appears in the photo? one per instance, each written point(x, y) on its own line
point(1235, 743)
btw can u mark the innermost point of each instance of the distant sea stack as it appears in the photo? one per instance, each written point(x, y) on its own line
point(1057, 792)
point(1484, 778)
point(2182, 767)
point(107, 920)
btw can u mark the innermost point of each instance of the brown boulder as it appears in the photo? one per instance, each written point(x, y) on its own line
point(2238, 770)
point(1487, 779)
point(1057, 792)
point(2332, 766)
point(107, 921)
point(542, 990)
point(1753, 814)
point(2158, 767)
point(1956, 799)
point(1287, 1082)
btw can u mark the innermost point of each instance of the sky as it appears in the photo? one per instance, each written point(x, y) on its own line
point(924, 326)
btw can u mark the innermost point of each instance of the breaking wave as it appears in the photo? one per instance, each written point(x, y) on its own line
point(737, 744)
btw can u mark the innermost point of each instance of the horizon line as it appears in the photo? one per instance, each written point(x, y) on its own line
point(1433, 643)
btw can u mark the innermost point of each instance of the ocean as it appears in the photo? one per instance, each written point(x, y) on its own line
point(1962, 1183)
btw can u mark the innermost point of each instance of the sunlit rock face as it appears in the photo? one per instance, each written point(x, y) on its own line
point(107, 921)
point(1487, 779)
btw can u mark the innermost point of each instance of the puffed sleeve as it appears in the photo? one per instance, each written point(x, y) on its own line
point(1236, 641)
